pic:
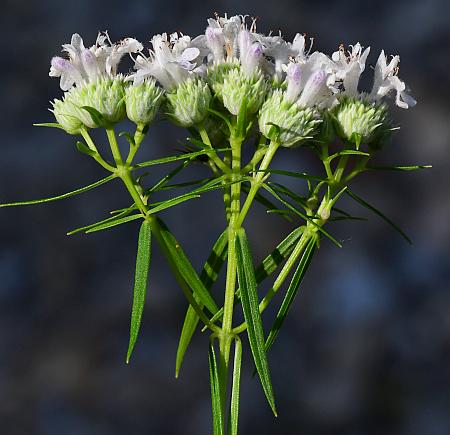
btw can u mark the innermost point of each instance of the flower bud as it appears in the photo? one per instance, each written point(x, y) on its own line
point(238, 86)
point(360, 121)
point(285, 121)
point(188, 104)
point(106, 95)
point(67, 118)
point(143, 101)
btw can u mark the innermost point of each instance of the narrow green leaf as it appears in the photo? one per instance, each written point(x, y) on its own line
point(215, 391)
point(302, 215)
point(97, 118)
point(277, 256)
point(399, 168)
point(235, 388)
point(348, 153)
point(250, 305)
point(128, 137)
point(123, 213)
point(114, 223)
point(164, 180)
point(84, 149)
point(379, 213)
point(186, 270)
point(178, 157)
point(263, 201)
point(208, 277)
point(49, 124)
point(172, 202)
point(222, 117)
point(143, 258)
point(64, 195)
point(292, 174)
point(242, 119)
point(291, 292)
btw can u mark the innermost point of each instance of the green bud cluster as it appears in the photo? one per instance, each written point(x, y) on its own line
point(233, 87)
point(188, 104)
point(142, 102)
point(105, 95)
point(285, 121)
point(361, 121)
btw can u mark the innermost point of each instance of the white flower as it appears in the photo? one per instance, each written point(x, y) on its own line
point(88, 64)
point(171, 60)
point(386, 80)
point(350, 66)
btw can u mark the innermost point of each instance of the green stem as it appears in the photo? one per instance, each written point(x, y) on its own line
point(123, 171)
point(213, 156)
point(97, 157)
point(226, 336)
point(114, 146)
point(257, 180)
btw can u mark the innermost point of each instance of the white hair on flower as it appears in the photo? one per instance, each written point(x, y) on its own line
point(88, 64)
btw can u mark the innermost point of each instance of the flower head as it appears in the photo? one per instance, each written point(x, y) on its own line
point(86, 65)
point(171, 61)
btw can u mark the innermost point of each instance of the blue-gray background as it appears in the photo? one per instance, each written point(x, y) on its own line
point(366, 350)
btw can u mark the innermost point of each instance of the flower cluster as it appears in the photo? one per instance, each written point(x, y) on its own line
point(286, 86)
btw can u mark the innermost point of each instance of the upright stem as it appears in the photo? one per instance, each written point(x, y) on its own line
point(258, 178)
point(226, 335)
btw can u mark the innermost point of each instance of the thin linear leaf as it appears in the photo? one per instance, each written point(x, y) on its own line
point(292, 174)
point(64, 195)
point(303, 216)
point(250, 305)
point(164, 180)
point(128, 137)
point(291, 292)
point(348, 153)
point(235, 388)
point(114, 223)
point(398, 168)
point(123, 213)
point(379, 213)
point(263, 201)
point(186, 270)
point(84, 149)
point(49, 124)
point(143, 258)
point(208, 277)
point(171, 203)
point(215, 391)
point(178, 157)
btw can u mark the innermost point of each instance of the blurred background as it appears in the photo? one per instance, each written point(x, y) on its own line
point(366, 349)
